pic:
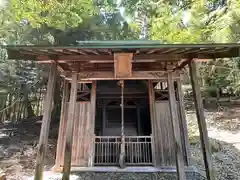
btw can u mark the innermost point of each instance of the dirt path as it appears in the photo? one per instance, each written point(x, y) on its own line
point(224, 135)
point(221, 135)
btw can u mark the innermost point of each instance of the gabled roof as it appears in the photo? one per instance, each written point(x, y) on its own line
point(99, 55)
point(138, 47)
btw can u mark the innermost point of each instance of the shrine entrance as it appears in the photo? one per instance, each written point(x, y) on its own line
point(128, 125)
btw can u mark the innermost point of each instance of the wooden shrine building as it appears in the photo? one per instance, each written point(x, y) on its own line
point(122, 103)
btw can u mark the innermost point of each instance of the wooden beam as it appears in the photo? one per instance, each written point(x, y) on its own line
point(152, 51)
point(201, 120)
point(43, 141)
point(181, 65)
point(69, 130)
point(94, 51)
point(133, 61)
point(61, 52)
point(68, 58)
point(136, 75)
point(61, 125)
point(60, 68)
point(176, 130)
point(183, 123)
point(71, 51)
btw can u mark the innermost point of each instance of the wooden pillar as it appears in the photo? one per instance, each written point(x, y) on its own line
point(122, 154)
point(176, 130)
point(61, 125)
point(69, 130)
point(43, 140)
point(152, 116)
point(201, 120)
point(93, 112)
point(183, 123)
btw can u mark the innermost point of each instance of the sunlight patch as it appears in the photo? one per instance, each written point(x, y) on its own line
point(3, 4)
point(50, 175)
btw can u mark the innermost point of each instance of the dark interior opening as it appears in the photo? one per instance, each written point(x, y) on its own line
point(137, 124)
point(136, 108)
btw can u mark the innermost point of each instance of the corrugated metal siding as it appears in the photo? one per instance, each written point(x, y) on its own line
point(81, 134)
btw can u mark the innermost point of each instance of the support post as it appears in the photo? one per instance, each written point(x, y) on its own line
point(61, 125)
point(152, 116)
point(43, 140)
point(201, 120)
point(69, 130)
point(122, 154)
point(176, 130)
point(183, 122)
point(93, 113)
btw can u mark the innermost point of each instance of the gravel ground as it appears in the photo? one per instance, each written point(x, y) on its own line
point(224, 133)
point(123, 176)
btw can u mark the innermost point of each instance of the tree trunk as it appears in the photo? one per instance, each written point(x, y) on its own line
point(30, 112)
point(27, 103)
point(3, 99)
point(8, 111)
point(218, 94)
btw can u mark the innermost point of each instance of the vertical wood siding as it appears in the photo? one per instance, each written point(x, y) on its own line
point(164, 140)
point(61, 137)
point(82, 134)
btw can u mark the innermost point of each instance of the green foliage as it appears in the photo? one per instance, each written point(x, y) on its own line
point(53, 13)
point(170, 21)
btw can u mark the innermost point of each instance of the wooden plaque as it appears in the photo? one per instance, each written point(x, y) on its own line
point(123, 65)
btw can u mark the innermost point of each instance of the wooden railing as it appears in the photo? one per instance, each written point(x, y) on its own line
point(107, 150)
point(138, 150)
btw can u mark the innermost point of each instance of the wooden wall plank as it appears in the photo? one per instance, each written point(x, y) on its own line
point(153, 120)
point(123, 65)
point(81, 139)
point(162, 129)
point(176, 129)
point(63, 143)
point(164, 144)
point(43, 140)
point(75, 136)
point(69, 128)
point(201, 120)
point(62, 125)
point(183, 124)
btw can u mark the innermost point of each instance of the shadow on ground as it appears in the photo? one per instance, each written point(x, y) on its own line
point(18, 145)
